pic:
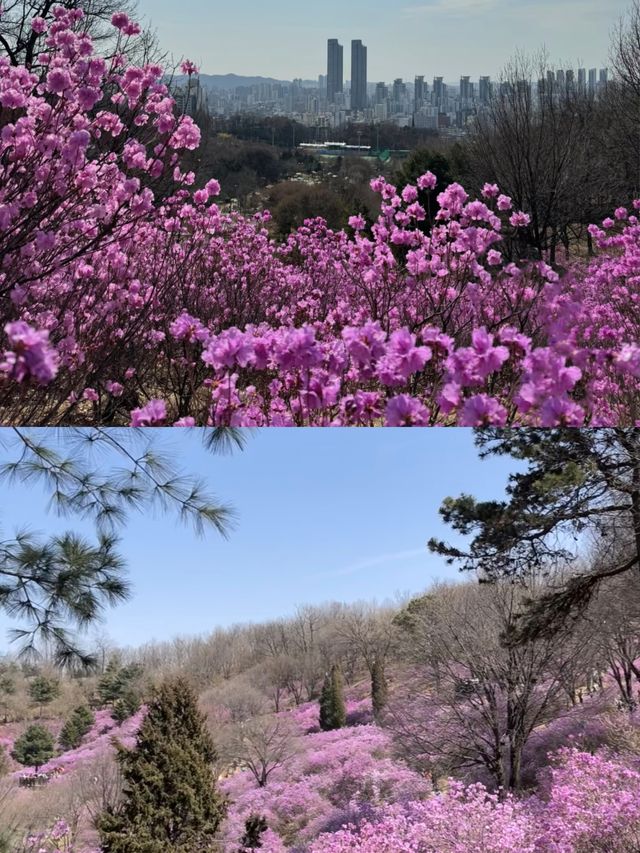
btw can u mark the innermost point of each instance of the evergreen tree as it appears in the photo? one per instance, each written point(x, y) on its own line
point(56, 585)
point(254, 828)
point(7, 689)
point(126, 706)
point(333, 714)
point(170, 802)
point(379, 688)
point(119, 682)
point(42, 691)
point(568, 483)
point(34, 748)
point(76, 727)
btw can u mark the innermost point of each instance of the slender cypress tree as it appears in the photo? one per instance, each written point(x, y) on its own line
point(333, 714)
point(379, 688)
point(170, 801)
point(4, 762)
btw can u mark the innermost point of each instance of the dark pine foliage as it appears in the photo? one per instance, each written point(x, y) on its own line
point(333, 714)
point(379, 688)
point(170, 801)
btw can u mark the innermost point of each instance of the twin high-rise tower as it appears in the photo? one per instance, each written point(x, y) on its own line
point(335, 70)
point(335, 73)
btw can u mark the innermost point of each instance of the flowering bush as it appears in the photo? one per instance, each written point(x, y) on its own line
point(336, 775)
point(129, 297)
point(58, 838)
point(591, 805)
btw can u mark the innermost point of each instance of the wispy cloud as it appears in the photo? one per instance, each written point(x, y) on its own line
point(372, 562)
point(513, 9)
point(452, 8)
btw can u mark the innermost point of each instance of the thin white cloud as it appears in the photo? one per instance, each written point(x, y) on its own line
point(372, 562)
point(523, 9)
point(452, 7)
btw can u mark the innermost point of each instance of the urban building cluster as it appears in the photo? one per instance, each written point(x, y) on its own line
point(333, 100)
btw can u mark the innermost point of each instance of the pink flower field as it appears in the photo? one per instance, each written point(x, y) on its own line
point(346, 792)
point(130, 298)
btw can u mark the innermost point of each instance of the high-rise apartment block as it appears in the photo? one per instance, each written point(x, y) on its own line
point(358, 76)
point(484, 90)
point(335, 70)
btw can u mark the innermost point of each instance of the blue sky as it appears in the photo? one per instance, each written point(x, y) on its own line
point(287, 38)
point(322, 515)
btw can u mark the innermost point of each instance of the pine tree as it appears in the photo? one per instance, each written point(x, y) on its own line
point(120, 687)
point(7, 689)
point(42, 691)
point(333, 713)
point(34, 748)
point(76, 727)
point(126, 706)
point(170, 802)
point(254, 828)
point(379, 688)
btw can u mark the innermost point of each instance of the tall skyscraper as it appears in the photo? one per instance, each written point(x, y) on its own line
point(484, 90)
point(335, 69)
point(358, 75)
point(438, 94)
point(582, 80)
point(382, 93)
point(419, 91)
point(593, 80)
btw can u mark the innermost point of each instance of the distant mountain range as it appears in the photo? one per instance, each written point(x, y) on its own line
point(232, 81)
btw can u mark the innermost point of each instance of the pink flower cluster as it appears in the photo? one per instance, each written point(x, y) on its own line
point(58, 838)
point(591, 803)
point(334, 776)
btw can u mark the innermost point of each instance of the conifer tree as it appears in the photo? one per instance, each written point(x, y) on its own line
point(34, 748)
point(7, 690)
point(254, 828)
point(126, 706)
point(379, 688)
point(43, 691)
point(170, 802)
point(333, 713)
point(76, 727)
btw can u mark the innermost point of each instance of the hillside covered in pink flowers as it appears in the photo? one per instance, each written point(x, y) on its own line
point(128, 296)
point(347, 790)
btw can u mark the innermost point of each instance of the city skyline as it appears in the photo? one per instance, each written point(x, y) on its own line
point(286, 41)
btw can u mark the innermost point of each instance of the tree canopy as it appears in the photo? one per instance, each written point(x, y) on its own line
point(573, 490)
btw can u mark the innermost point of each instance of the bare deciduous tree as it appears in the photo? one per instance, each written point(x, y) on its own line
point(472, 701)
point(261, 745)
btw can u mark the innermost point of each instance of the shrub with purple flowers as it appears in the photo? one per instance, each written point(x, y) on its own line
point(130, 298)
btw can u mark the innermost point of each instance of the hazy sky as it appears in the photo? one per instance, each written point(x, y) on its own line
point(323, 515)
point(287, 38)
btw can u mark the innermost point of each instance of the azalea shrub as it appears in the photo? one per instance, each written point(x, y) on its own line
point(347, 791)
point(590, 805)
point(332, 777)
point(130, 296)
